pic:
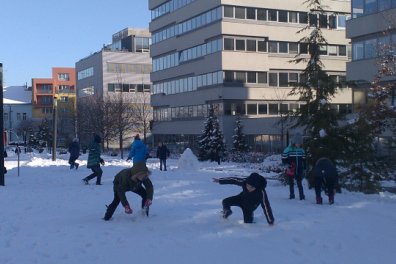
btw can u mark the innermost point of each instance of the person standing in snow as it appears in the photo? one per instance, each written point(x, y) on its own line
point(253, 194)
point(94, 161)
point(325, 177)
point(131, 179)
point(138, 150)
point(162, 153)
point(74, 150)
point(294, 156)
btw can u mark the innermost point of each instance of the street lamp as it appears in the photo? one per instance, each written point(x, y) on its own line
point(55, 125)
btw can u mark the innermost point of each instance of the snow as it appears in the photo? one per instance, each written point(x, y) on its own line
point(49, 216)
point(188, 161)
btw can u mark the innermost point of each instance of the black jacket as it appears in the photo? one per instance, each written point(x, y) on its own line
point(325, 171)
point(163, 152)
point(74, 149)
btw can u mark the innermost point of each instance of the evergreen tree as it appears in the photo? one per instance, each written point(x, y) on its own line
point(239, 139)
point(44, 137)
point(217, 148)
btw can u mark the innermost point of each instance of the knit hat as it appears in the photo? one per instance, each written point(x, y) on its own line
point(254, 180)
point(297, 139)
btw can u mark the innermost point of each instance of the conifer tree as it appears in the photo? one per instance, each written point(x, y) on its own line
point(217, 146)
point(239, 138)
point(205, 139)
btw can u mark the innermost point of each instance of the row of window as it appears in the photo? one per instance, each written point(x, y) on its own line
point(374, 47)
point(331, 21)
point(128, 87)
point(234, 108)
point(271, 79)
point(128, 68)
point(85, 73)
point(186, 26)
point(63, 77)
point(367, 7)
point(168, 7)
point(19, 116)
point(242, 44)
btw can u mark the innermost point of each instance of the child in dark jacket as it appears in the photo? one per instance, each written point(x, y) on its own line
point(325, 177)
point(252, 195)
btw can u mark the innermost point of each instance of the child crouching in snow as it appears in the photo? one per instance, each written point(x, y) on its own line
point(252, 195)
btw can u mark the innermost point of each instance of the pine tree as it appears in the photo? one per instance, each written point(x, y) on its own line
point(217, 146)
point(239, 138)
point(204, 140)
point(44, 137)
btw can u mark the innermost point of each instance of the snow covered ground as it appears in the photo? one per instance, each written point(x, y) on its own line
point(49, 216)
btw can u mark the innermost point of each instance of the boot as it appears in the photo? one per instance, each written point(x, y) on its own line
point(319, 200)
point(331, 199)
point(76, 164)
point(292, 196)
point(226, 213)
point(302, 197)
point(109, 213)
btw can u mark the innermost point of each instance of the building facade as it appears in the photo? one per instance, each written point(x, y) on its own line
point(121, 68)
point(371, 29)
point(235, 55)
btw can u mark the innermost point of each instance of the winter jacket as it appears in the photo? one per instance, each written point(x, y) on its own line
point(326, 172)
point(251, 200)
point(163, 152)
point(74, 149)
point(296, 156)
point(138, 151)
point(94, 155)
point(123, 182)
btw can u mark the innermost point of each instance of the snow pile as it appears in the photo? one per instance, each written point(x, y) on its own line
point(188, 161)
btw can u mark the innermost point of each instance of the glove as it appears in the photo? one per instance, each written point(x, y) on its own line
point(102, 161)
point(148, 203)
point(128, 209)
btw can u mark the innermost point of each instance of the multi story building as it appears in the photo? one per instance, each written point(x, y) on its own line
point(235, 55)
point(120, 68)
point(61, 87)
point(372, 28)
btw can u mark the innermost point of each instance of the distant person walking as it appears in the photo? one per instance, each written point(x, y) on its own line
point(294, 156)
point(138, 150)
point(162, 153)
point(74, 150)
point(94, 161)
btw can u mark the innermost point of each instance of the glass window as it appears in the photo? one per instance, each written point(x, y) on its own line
point(323, 21)
point(370, 7)
point(303, 17)
point(252, 109)
point(251, 77)
point(282, 16)
point(313, 20)
point(357, 51)
point(341, 21)
point(272, 15)
point(323, 50)
point(228, 44)
point(240, 77)
point(273, 79)
point(240, 44)
point(228, 76)
point(293, 79)
point(283, 47)
point(262, 77)
point(332, 50)
point(240, 12)
point(293, 17)
point(283, 79)
point(370, 48)
point(251, 45)
point(273, 109)
point(332, 21)
point(342, 50)
point(304, 48)
point(357, 8)
point(262, 109)
point(262, 45)
point(228, 11)
point(273, 46)
point(251, 13)
point(384, 5)
point(293, 48)
point(261, 14)
point(284, 108)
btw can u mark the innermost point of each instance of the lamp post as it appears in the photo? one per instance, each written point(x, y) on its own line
point(55, 125)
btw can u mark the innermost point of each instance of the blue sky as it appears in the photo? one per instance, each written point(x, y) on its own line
point(38, 35)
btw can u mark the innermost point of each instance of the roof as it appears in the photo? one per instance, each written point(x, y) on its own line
point(17, 95)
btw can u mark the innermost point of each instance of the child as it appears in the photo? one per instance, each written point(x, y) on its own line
point(131, 179)
point(326, 177)
point(252, 195)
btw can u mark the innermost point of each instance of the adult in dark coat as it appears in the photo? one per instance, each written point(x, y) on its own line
point(74, 150)
point(94, 161)
point(131, 179)
point(253, 194)
point(162, 153)
point(325, 177)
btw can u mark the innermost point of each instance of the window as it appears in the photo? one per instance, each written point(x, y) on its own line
point(332, 50)
point(240, 77)
point(293, 48)
point(63, 76)
point(341, 21)
point(24, 116)
point(293, 17)
point(251, 77)
point(272, 15)
point(228, 11)
point(370, 48)
point(262, 109)
point(323, 21)
point(262, 45)
point(228, 44)
point(384, 5)
point(273, 46)
point(282, 16)
point(303, 17)
point(293, 79)
point(332, 21)
point(240, 12)
point(283, 47)
point(273, 79)
point(357, 51)
point(304, 48)
point(342, 50)
point(273, 109)
point(261, 14)
point(284, 108)
point(313, 20)
point(262, 77)
point(252, 109)
point(323, 50)
point(251, 13)
point(283, 79)
point(357, 8)
point(370, 7)
point(251, 45)
point(18, 116)
point(240, 44)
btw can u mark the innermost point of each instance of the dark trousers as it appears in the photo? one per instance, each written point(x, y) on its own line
point(96, 172)
point(299, 186)
point(116, 201)
point(72, 161)
point(237, 201)
point(162, 162)
point(327, 185)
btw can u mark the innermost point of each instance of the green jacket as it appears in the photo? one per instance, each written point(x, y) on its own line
point(94, 155)
point(123, 183)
